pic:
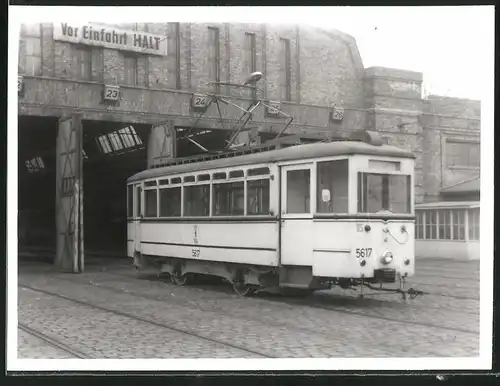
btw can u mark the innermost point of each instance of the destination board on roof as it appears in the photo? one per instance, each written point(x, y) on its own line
point(105, 36)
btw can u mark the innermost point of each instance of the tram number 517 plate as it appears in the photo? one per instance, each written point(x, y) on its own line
point(195, 252)
point(363, 252)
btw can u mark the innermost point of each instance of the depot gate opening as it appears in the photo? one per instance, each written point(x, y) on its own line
point(110, 153)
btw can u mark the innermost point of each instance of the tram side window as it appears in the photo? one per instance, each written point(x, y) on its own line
point(170, 202)
point(130, 201)
point(333, 177)
point(197, 200)
point(298, 191)
point(228, 199)
point(138, 211)
point(150, 202)
point(258, 197)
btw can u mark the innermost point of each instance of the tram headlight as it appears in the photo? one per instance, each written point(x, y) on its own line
point(386, 258)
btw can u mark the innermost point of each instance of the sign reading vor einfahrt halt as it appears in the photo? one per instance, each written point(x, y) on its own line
point(110, 37)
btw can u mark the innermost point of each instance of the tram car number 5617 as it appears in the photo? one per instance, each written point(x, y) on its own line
point(363, 252)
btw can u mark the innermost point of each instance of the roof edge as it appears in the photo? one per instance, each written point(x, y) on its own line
point(460, 183)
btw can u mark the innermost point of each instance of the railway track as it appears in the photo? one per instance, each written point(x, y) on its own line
point(368, 300)
point(144, 320)
point(53, 342)
point(304, 302)
point(379, 317)
point(439, 294)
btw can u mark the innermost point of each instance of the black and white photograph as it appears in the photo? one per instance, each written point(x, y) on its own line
point(250, 188)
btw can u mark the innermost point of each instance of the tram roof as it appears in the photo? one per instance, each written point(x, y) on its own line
point(308, 151)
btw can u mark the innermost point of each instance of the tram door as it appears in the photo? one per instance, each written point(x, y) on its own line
point(296, 214)
point(137, 217)
point(69, 196)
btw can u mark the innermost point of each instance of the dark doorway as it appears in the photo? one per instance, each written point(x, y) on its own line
point(112, 153)
point(36, 181)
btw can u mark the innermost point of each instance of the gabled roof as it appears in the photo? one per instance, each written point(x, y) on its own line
point(467, 186)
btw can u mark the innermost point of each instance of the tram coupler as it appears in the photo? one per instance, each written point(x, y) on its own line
point(413, 293)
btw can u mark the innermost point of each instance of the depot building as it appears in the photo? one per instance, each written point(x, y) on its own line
point(100, 102)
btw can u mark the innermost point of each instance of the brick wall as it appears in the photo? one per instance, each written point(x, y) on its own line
point(325, 67)
point(396, 109)
point(447, 119)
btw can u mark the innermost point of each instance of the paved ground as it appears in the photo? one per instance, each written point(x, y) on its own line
point(110, 312)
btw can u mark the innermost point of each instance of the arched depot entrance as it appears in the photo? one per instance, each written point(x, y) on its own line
point(72, 196)
point(72, 178)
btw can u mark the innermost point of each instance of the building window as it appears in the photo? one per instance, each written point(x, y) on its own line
point(229, 199)
point(250, 53)
point(258, 197)
point(35, 165)
point(463, 154)
point(197, 200)
point(214, 56)
point(474, 224)
point(130, 69)
point(150, 201)
point(177, 56)
point(458, 221)
point(450, 224)
point(33, 55)
point(444, 224)
point(250, 50)
point(170, 202)
point(285, 70)
point(332, 190)
point(123, 140)
point(83, 62)
point(431, 225)
point(298, 191)
point(419, 225)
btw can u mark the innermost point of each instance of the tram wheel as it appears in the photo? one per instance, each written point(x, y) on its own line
point(179, 280)
point(243, 289)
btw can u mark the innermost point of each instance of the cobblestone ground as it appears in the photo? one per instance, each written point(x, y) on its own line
point(29, 346)
point(141, 316)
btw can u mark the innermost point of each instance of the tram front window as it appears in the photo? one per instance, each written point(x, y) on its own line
point(383, 192)
point(333, 176)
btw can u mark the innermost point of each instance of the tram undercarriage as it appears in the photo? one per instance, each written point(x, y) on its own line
point(251, 279)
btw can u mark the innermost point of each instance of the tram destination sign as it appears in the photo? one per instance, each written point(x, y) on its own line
point(110, 37)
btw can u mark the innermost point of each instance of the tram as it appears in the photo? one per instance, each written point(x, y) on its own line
point(307, 217)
